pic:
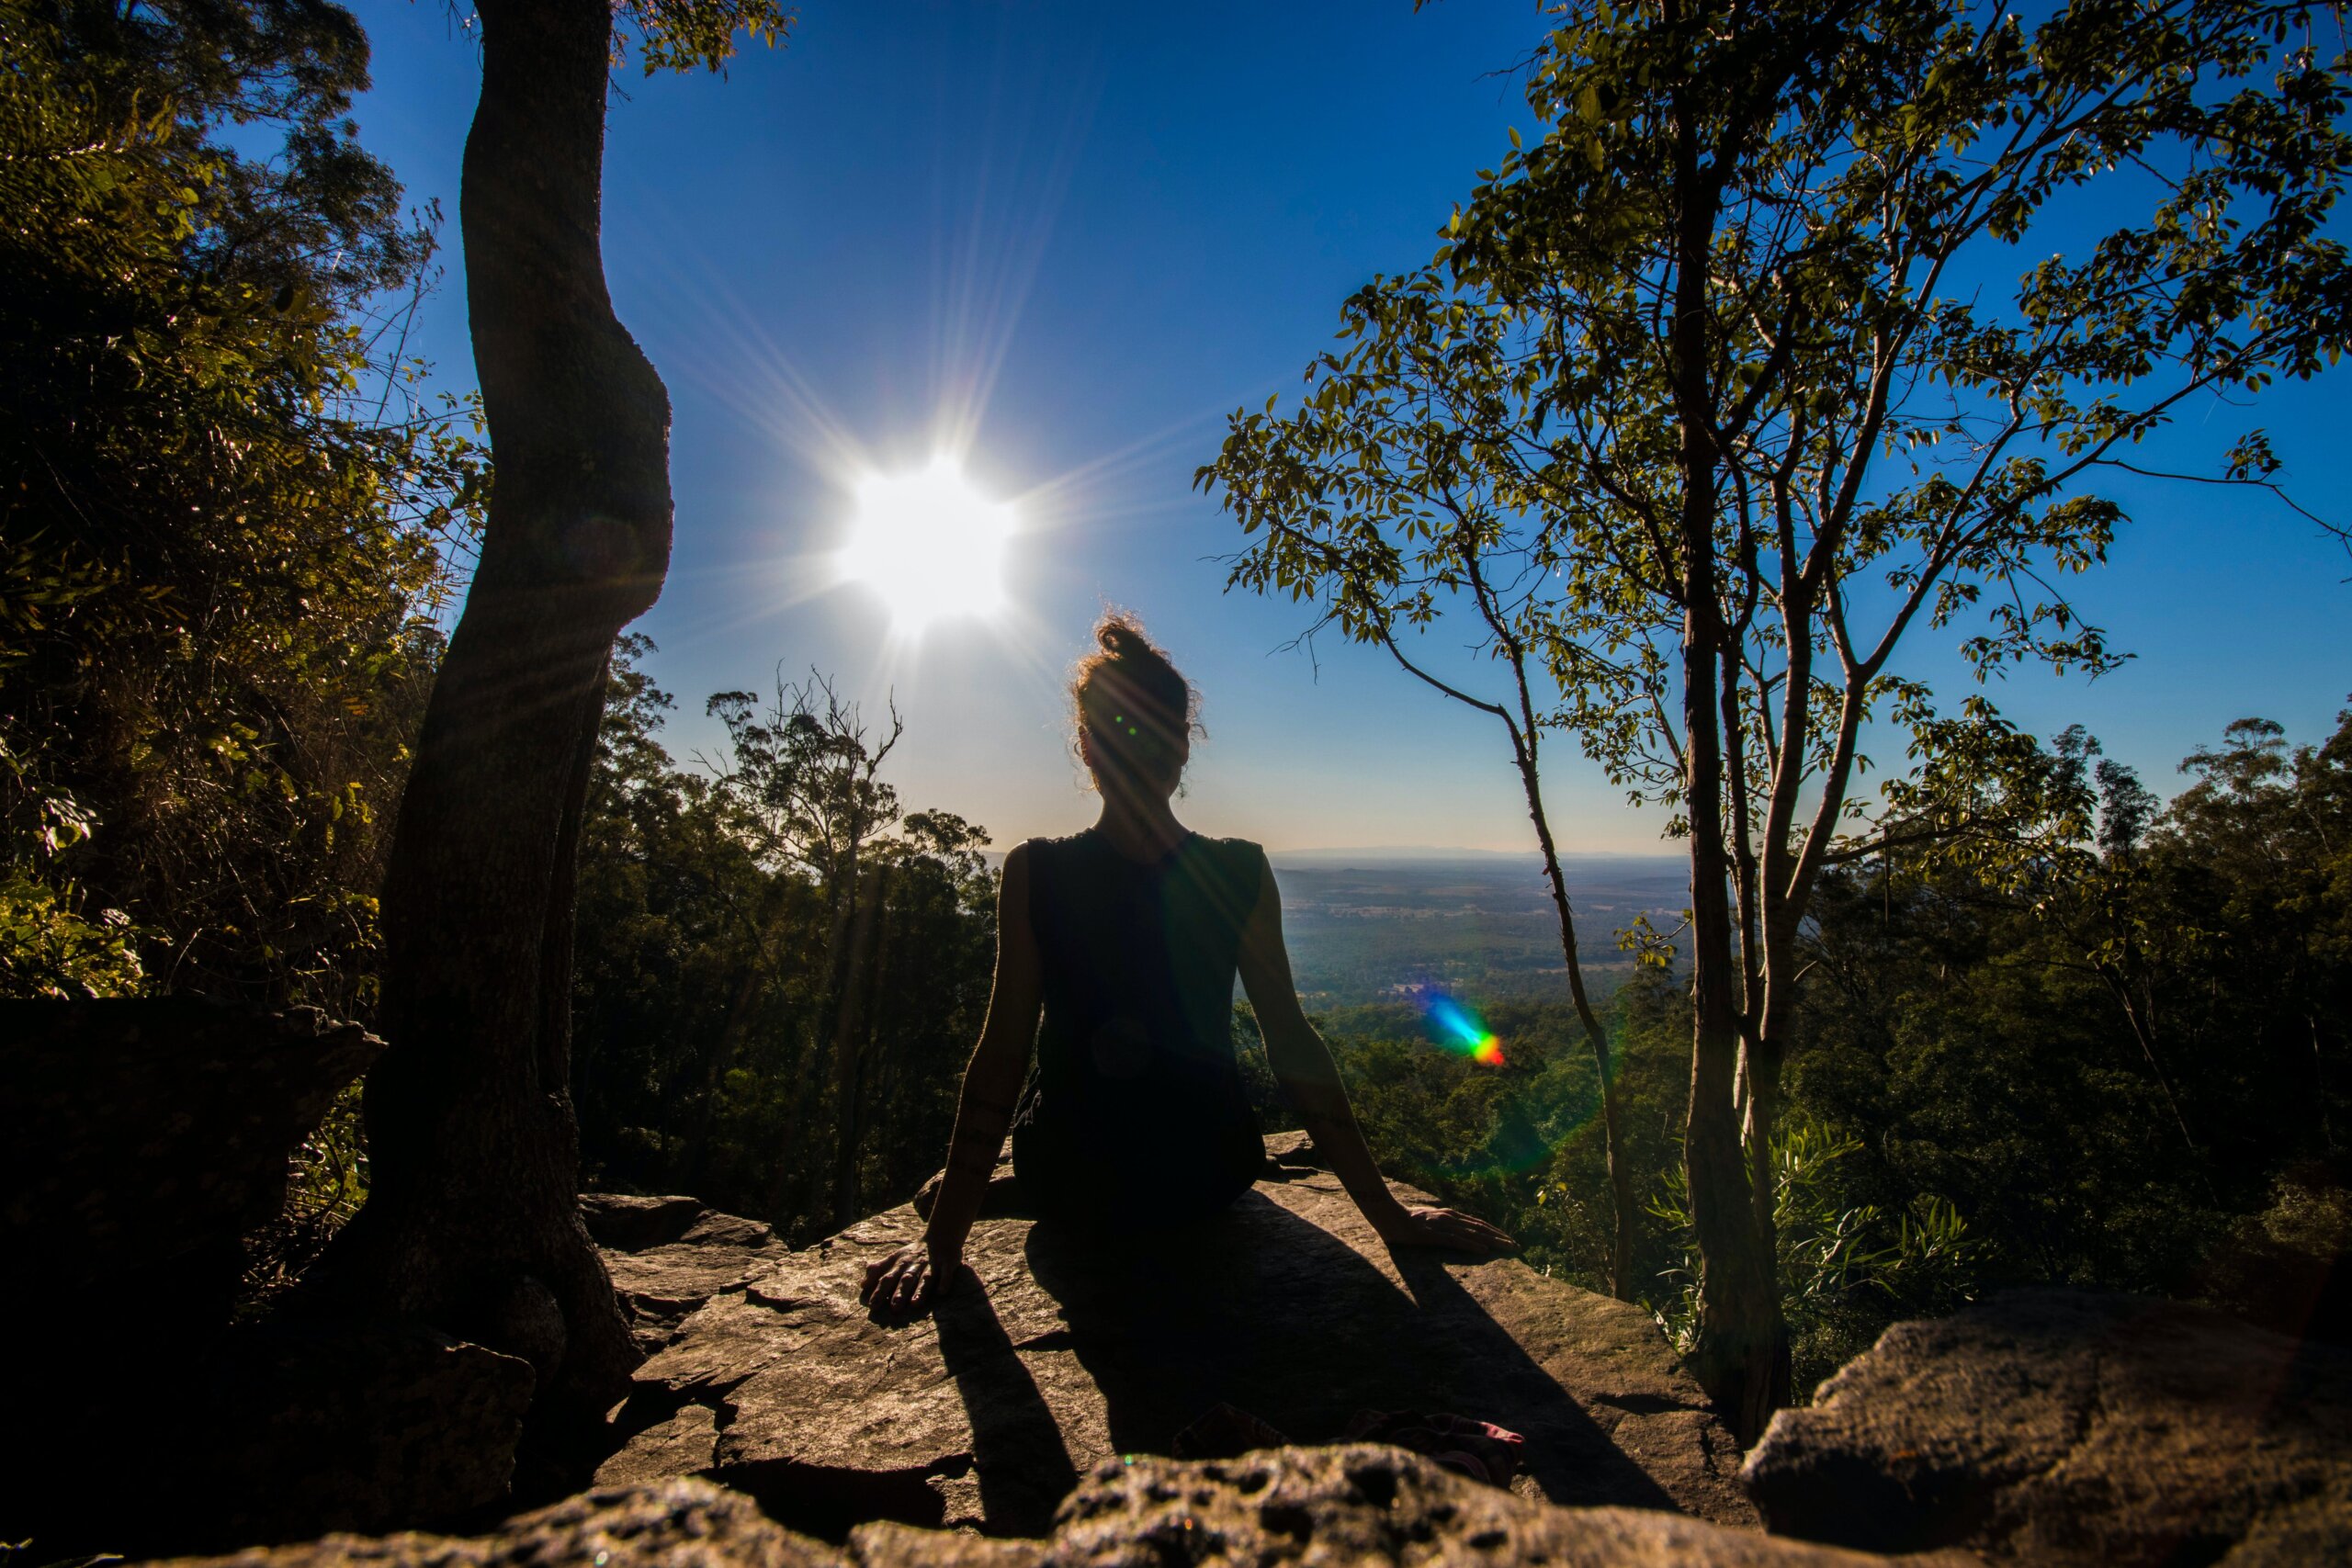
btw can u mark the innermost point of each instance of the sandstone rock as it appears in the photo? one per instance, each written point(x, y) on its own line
point(670, 1256)
point(1363, 1502)
point(2065, 1427)
point(148, 1128)
point(628, 1223)
point(299, 1427)
point(1355, 1505)
point(682, 1524)
point(1056, 1352)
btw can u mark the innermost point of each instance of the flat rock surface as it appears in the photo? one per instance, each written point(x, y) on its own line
point(669, 1257)
point(2067, 1427)
point(1360, 1503)
point(1072, 1350)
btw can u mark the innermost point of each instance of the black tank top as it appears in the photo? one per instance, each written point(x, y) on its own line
point(1135, 1112)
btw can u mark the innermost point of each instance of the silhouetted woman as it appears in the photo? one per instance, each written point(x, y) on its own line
point(1127, 938)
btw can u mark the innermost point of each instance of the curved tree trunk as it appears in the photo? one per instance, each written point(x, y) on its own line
point(472, 1221)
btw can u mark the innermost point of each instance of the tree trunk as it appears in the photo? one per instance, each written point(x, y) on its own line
point(1740, 1358)
point(849, 1042)
point(472, 1222)
point(1621, 1176)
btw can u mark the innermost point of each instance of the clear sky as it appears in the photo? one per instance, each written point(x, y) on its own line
point(1070, 238)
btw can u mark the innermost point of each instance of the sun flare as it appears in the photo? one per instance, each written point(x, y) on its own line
point(929, 545)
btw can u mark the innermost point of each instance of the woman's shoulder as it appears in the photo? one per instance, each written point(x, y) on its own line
point(1238, 849)
point(1238, 859)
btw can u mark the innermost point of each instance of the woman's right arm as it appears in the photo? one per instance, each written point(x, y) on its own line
point(909, 1277)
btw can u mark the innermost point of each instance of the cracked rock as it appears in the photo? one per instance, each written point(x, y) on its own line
point(1360, 1504)
point(1054, 1353)
point(2067, 1427)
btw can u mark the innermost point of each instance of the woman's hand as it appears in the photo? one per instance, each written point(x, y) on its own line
point(1435, 1227)
point(910, 1278)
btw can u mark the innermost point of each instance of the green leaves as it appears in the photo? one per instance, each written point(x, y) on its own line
point(679, 34)
point(1543, 400)
point(228, 514)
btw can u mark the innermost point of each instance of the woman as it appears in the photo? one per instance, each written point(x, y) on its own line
point(1127, 938)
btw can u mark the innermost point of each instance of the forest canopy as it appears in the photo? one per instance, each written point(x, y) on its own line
point(229, 514)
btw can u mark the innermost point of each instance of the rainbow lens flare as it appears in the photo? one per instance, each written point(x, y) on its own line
point(1459, 1030)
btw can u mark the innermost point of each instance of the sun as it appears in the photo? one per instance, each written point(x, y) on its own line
point(929, 545)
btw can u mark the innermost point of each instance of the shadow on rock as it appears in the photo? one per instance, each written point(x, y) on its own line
point(1019, 1458)
point(1262, 1310)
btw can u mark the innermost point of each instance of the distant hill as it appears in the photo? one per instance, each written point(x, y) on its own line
point(1419, 854)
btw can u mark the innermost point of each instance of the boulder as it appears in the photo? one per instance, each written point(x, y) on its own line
point(148, 1128)
point(2068, 1427)
point(278, 1431)
point(295, 1428)
point(144, 1138)
point(683, 1524)
point(1055, 1351)
point(626, 1222)
point(1352, 1504)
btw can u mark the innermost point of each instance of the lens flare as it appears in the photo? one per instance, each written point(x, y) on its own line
point(1459, 1030)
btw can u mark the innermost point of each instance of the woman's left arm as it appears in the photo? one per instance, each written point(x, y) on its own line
point(1310, 1078)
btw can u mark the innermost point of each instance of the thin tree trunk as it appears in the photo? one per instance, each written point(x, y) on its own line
point(1621, 1176)
point(750, 987)
point(472, 1222)
point(1526, 738)
point(849, 1053)
point(1740, 1331)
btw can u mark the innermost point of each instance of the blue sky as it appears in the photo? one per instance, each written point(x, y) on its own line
point(1075, 236)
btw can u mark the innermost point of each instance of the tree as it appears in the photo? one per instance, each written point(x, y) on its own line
point(714, 1055)
point(1717, 382)
point(1368, 595)
point(472, 1220)
point(225, 516)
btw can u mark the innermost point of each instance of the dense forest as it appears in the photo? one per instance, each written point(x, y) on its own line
point(2068, 1032)
point(2122, 1064)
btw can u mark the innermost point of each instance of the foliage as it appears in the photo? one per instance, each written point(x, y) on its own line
point(49, 945)
point(678, 35)
point(1970, 1104)
point(1708, 395)
point(1847, 1267)
point(228, 519)
point(713, 960)
point(326, 1184)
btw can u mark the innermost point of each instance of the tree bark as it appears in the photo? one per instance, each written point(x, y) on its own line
point(1740, 1356)
point(472, 1222)
point(1621, 1176)
point(866, 894)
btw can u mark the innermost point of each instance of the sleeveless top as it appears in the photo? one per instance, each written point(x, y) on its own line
point(1135, 1112)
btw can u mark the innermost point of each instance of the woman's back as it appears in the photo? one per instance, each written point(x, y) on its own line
point(1134, 1104)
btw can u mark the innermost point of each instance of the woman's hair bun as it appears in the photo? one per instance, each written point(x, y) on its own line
point(1121, 638)
point(1132, 674)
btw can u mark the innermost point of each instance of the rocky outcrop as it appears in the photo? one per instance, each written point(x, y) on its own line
point(1055, 1352)
point(144, 1139)
point(670, 1256)
point(1351, 1504)
point(296, 1427)
point(2065, 1427)
point(144, 1131)
point(685, 1524)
